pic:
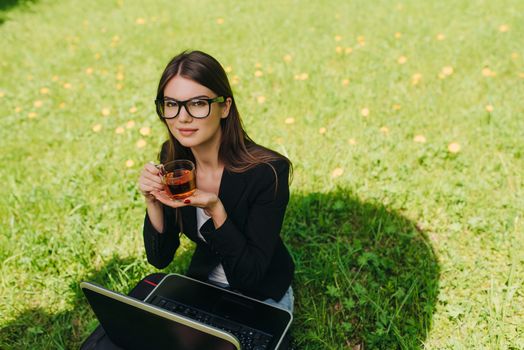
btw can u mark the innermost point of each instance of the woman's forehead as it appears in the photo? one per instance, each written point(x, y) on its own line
point(181, 88)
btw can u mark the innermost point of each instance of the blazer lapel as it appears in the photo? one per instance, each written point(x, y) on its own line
point(189, 222)
point(231, 188)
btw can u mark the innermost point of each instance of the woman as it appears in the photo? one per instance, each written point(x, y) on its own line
point(236, 213)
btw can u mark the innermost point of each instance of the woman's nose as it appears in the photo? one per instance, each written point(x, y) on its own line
point(184, 116)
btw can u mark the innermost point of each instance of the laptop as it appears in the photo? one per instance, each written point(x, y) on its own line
point(187, 314)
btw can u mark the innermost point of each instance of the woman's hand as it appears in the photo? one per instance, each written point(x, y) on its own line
point(210, 202)
point(150, 181)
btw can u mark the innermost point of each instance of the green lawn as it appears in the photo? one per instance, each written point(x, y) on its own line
point(404, 121)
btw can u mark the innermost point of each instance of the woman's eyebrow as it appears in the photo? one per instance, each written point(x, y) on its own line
point(192, 98)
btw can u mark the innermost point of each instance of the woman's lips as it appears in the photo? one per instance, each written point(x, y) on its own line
point(187, 132)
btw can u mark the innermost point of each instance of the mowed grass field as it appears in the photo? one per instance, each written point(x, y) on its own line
point(404, 121)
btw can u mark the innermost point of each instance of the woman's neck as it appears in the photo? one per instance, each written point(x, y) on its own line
point(206, 155)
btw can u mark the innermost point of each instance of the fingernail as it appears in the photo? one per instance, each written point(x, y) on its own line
point(187, 201)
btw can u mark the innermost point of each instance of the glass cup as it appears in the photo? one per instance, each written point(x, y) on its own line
point(178, 177)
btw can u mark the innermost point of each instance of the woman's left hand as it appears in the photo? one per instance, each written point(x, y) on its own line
point(210, 202)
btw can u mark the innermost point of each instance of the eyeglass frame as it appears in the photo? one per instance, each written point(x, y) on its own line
point(160, 101)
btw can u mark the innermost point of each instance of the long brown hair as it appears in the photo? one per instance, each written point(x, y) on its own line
point(237, 151)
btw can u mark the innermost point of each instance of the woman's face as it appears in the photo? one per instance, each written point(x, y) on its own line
point(189, 131)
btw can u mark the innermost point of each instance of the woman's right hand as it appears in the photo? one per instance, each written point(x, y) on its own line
point(150, 181)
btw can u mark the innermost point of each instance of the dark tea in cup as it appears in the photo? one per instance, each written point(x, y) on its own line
point(178, 177)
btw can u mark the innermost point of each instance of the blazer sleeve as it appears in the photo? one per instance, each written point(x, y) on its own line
point(161, 246)
point(246, 254)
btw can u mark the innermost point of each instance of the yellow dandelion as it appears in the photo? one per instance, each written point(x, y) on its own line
point(32, 115)
point(115, 38)
point(129, 163)
point(119, 130)
point(145, 130)
point(141, 143)
point(62, 105)
point(503, 28)
point(488, 72)
point(348, 50)
point(322, 130)
point(384, 130)
point(120, 76)
point(448, 70)
point(97, 56)
point(415, 78)
point(97, 127)
point(396, 107)
point(89, 70)
point(441, 37)
point(454, 147)
point(402, 59)
point(106, 111)
point(398, 35)
point(258, 65)
point(235, 80)
point(220, 21)
point(258, 73)
point(489, 108)
point(261, 99)
point(228, 69)
point(338, 49)
point(352, 141)
point(18, 109)
point(132, 109)
point(119, 86)
point(514, 55)
point(301, 76)
point(521, 75)
point(287, 58)
point(44, 91)
point(55, 78)
point(338, 37)
point(364, 112)
point(38, 103)
point(289, 120)
point(140, 21)
point(345, 82)
point(2, 94)
point(419, 139)
point(29, 77)
point(361, 40)
point(337, 172)
point(67, 86)
point(130, 124)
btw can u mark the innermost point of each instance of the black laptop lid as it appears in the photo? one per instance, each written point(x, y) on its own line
point(132, 324)
point(221, 302)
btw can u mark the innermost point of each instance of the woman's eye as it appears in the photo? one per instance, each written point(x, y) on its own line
point(170, 104)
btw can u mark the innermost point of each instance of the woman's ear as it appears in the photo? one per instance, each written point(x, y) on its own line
point(227, 107)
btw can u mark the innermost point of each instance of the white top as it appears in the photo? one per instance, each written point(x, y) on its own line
point(218, 274)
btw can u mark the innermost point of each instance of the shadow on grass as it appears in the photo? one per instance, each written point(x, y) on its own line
point(39, 329)
point(7, 5)
point(365, 274)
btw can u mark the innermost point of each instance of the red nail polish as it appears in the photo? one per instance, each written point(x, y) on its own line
point(187, 201)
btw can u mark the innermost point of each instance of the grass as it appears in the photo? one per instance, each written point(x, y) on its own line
point(403, 120)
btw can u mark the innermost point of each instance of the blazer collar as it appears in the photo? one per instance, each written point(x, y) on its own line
point(231, 189)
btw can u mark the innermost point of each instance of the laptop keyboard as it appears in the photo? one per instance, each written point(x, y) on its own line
point(249, 338)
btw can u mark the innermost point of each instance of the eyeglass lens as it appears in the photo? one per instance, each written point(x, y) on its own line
point(196, 108)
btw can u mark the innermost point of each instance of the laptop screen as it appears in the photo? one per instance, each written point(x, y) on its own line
point(132, 324)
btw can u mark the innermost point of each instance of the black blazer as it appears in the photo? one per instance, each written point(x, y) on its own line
point(248, 244)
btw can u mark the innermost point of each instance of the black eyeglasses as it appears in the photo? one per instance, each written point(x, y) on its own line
point(169, 108)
